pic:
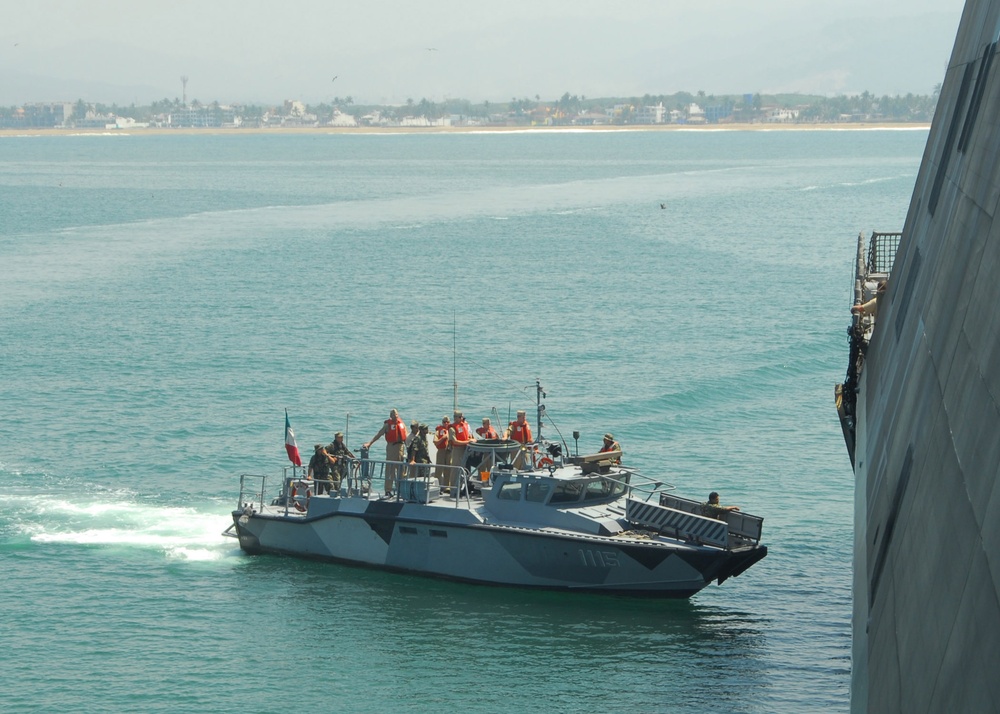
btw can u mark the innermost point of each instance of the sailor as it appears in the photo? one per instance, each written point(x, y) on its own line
point(712, 509)
point(340, 453)
point(394, 431)
point(486, 431)
point(414, 427)
point(319, 469)
point(611, 445)
point(418, 453)
point(441, 444)
point(459, 438)
point(519, 429)
point(871, 307)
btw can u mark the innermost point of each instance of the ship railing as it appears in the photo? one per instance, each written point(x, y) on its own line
point(411, 482)
point(252, 491)
point(874, 262)
point(742, 528)
point(882, 249)
point(642, 486)
point(292, 495)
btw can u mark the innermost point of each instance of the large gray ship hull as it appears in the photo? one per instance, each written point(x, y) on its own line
point(927, 432)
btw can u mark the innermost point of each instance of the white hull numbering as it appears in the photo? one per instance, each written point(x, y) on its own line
point(577, 523)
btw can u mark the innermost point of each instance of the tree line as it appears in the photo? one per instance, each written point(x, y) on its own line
point(743, 107)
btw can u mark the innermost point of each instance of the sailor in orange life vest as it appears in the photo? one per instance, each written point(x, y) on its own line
point(486, 431)
point(520, 431)
point(459, 437)
point(394, 432)
point(441, 444)
point(611, 445)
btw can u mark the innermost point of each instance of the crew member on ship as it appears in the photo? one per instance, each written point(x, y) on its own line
point(611, 445)
point(340, 453)
point(394, 431)
point(443, 454)
point(417, 452)
point(459, 438)
point(520, 430)
point(486, 431)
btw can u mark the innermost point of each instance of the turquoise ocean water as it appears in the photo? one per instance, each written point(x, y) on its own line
point(163, 300)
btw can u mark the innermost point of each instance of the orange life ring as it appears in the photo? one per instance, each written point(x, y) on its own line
point(545, 461)
point(295, 502)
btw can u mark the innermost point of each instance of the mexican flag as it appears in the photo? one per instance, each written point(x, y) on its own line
point(290, 446)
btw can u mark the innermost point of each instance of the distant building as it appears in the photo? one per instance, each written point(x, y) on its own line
point(592, 119)
point(780, 115)
point(341, 119)
point(695, 114)
point(293, 107)
point(126, 123)
point(713, 115)
point(93, 120)
point(651, 114)
point(43, 115)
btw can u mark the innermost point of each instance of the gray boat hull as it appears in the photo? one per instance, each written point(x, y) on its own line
point(461, 544)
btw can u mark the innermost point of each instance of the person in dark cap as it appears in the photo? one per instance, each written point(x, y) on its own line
point(712, 509)
point(611, 445)
point(414, 427)
point(319, 469)
point(419, 453)
point(339, 452)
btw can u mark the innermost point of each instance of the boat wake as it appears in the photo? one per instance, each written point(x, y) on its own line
point(180, 533)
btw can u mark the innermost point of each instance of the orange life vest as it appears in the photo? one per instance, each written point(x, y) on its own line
point(395, 431)
point(462, 431)
point(490, 433)
point(441, 435)
point(613, 447)
point(520, 432)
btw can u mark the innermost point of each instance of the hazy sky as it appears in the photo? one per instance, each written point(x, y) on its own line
point(388, 51)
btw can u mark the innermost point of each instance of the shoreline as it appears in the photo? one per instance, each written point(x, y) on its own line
point(329, 130)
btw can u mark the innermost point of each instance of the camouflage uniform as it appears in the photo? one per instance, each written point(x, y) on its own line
point(339, 450)
point(419, 453)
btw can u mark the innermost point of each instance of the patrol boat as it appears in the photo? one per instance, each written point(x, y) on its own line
point(525, 516)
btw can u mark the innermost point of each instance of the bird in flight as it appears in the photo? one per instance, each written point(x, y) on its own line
point(663, 205)
point(432, 49)
point(335, 78)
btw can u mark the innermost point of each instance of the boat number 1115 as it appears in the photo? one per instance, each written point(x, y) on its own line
point(598, 558)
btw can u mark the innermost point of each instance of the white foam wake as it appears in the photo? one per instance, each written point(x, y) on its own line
point(181, 533)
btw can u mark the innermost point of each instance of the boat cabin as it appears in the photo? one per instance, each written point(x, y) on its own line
point(565, 487)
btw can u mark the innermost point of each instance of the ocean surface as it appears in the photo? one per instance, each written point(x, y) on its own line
point(164, 299)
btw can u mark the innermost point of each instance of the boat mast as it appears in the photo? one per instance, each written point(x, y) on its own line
point(539, 395)
point(454, 362)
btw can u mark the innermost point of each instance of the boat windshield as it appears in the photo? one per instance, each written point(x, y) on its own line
point(560, 492)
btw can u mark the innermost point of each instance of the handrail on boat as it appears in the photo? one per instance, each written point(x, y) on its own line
point(648, 487)
point(366, 477)
point(362, 475)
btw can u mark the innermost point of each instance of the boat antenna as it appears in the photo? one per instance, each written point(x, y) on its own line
point(454, 361)
point(539, 396)
point(347, 430)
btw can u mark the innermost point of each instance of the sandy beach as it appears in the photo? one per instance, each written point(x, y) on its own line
point(163, 131)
